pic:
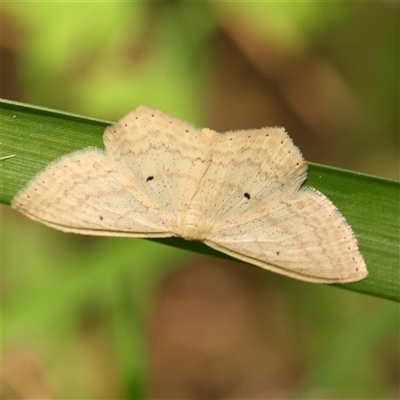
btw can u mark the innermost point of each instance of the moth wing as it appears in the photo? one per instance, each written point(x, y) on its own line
point(140, 187)
point(303, 237)
point(86, 192)
point(249, 170)
point(164, 156)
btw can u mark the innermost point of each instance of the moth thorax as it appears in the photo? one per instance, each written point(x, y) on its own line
point(192, 226)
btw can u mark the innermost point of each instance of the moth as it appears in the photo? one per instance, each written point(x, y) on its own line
point(238, 192)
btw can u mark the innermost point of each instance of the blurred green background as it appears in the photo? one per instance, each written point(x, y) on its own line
point(87, 317)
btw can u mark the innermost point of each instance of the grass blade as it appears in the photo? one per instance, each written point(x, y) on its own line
point(37, 136)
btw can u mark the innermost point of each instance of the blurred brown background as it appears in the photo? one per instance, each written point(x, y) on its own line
point(116, 318)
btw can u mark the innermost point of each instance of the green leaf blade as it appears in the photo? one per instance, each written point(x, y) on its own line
point(37, 136)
